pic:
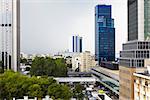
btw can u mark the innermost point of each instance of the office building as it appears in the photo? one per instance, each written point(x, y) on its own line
point(77, 44)
point(137, 49)
point(138, 20)
point(104, 34)
point(10, 34)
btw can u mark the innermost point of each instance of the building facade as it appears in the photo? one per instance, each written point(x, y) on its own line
point(77, 44)
point(142, 86)
point(104, 34)
point(10, 34)
point(137, 49)
point(138, 20)
point(82, 62)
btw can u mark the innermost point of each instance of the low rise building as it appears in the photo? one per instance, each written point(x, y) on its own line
point(108, 78)
point(76, 62)
point(142, 86)
point(83, 62)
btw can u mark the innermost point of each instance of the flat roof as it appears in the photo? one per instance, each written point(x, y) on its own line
point(75, 79)
point(142, 75)
point(112, 73)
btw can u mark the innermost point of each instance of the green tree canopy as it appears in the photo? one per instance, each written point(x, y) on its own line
point(16, 85)
point(13, 84)
point(59, 91)
point(35, 90)
point(77, 92)
point(48, 66)
point(23, 60)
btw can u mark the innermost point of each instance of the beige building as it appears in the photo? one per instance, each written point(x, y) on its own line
point(126, 81)
point(142, 86)
point(83, 61)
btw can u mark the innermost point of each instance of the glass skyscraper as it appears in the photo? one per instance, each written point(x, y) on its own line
point(77, 44)
point(104, 34)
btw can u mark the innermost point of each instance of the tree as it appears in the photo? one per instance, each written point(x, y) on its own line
point(66, 92)
point(44, 82)
point(78, 91)
point(11, 85)
point(61, 68)
point(37, 66)
point(35, 90)
point(59, 91)
point(48, 66)
point(16, 85)
point(23, 60)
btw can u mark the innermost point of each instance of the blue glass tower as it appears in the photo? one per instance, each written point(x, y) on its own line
point(104, 34)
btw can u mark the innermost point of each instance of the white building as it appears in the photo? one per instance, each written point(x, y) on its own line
point(76, 62)
point(10, 33)
point(83, 61)
point(67, 53)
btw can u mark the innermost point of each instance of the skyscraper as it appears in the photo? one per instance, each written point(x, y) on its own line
point(138, 20)
point(10, 34)
point(104, 34)
point(77, 44)
point(137, 49)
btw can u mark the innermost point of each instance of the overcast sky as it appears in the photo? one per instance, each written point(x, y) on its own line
point(48, 25)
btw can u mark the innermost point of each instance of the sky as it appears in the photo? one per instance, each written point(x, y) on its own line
point(48, 25)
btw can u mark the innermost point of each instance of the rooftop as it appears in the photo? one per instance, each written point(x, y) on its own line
point(75, 79)
point(112, 73)
point(144, 75)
